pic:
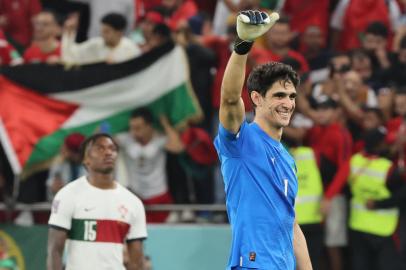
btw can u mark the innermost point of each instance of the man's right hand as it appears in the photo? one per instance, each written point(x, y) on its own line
point(72, 22)
point(253, 24)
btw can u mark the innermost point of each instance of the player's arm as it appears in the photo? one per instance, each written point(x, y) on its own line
point(56, 244)
point(250, 25)
point(135, 255)
point(300, 247)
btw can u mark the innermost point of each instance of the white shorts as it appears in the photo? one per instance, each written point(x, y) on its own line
point(336, 223)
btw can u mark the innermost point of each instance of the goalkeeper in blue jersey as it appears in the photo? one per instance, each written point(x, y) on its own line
point(259, 174)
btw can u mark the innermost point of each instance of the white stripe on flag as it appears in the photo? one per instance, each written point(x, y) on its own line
point(101, 101)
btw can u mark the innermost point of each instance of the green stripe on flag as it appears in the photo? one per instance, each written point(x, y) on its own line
point(179, 105)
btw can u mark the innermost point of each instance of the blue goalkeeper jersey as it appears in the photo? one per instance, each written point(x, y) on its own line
point(261, 186)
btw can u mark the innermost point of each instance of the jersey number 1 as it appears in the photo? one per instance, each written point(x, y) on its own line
point(90, 230)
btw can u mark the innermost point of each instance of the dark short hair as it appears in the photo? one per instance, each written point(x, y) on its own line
point(401, 90)
point(373, 140)
point(264, 76)
point(377, 28)
point(144, 113)
point(91, 140)
point(162, 30)
point(403, 42)
point(117, 21)
point(378, 112)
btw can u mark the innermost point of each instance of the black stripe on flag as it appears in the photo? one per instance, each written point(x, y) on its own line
point(48, 79)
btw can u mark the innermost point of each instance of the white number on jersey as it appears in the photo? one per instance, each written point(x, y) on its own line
point(90, 231)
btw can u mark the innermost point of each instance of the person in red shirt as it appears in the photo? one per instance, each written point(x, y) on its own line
point(304, 14)
point(332, 144)
point(45, 47)
point(368, 249)
point(277, 41)
point(175, 11)
point(16, 17)
point(8, 55)
point(351, 18)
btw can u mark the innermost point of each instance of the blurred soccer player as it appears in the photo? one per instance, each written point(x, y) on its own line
point(259, 174)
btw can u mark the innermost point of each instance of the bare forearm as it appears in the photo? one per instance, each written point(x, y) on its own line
point(300, 247)
point(135, 265)
point(233, 80)
point(54, 261)
point(135, 256)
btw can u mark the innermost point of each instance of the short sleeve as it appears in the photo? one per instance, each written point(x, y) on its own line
point(229, 144)
point(138, 226)
point(62, 210)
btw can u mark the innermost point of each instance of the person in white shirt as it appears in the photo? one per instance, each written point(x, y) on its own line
point(144, 155)
point(96, 216)
point(99, 8)
point(111, 47)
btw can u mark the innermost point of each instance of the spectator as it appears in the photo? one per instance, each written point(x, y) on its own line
point(16, 20)
point(143, 35)
point(313, 49)
point(396, 73)
point(8, 55)
point(362, 63)
point(144, 153)
point(161, 34)
point(111, 47)
point(277, 46)
point(373, 118)
point(175, 11)
point(303, 15)
point(397, 199)
point(370, 177)
point(375, 42)
point(68, 166)
point(201, 60)
point(45, 47)
point(307, 204)
point(100, 8)
point(332, 143)
point(351, 17)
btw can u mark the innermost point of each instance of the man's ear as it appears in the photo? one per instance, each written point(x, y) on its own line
point(256, 98)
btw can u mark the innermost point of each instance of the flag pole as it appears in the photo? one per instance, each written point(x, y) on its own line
point(15, 167)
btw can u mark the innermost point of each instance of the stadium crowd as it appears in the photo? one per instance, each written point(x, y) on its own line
point(348, 134)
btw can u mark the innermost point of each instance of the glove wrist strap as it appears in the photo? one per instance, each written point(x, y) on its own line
point(242, 47)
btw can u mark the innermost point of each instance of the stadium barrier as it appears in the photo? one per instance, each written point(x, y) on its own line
point(170, 247)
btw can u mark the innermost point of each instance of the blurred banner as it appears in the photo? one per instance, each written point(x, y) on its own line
point(176, 247)
point(41, 104)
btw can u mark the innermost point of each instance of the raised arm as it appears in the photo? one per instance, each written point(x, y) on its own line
point(231, 104)
point(56, 243)
point(250, 25)
point(174, 143)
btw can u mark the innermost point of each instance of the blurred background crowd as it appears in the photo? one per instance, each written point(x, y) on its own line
point(348, 134)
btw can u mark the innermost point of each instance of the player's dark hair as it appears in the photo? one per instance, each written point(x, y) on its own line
point(89, 141)
point(144, 113)
point(115, 20)
point(377, 28)
point(264, 76)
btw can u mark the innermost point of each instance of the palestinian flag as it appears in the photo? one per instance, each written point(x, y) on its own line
point(41, 104)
